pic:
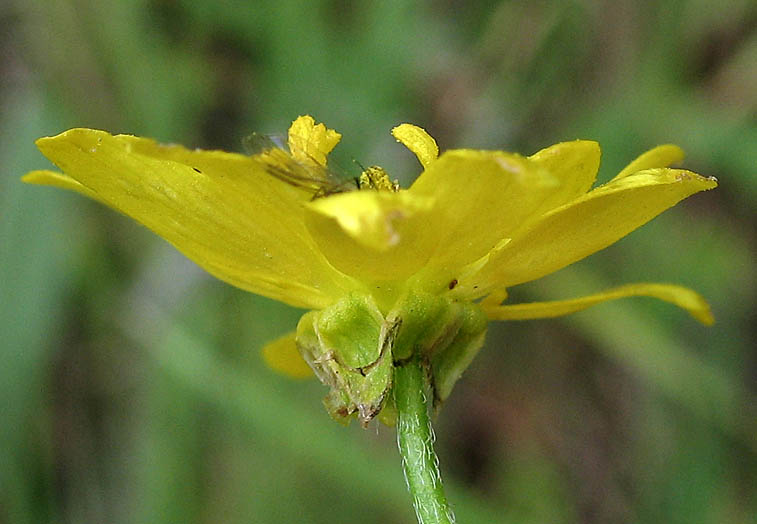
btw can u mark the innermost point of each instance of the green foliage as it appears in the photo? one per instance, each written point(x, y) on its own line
point(131, 388)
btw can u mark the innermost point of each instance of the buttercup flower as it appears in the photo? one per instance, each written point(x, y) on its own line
point(473, 223)
point(391, 275)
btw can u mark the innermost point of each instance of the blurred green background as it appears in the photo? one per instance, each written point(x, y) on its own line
point(131, 386)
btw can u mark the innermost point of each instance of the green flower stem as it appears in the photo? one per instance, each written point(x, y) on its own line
point(415, 439)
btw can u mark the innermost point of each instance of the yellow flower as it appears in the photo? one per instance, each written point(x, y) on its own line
point(473, 223)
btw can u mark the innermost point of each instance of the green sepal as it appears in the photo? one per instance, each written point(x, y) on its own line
point(352, 327)
point(349, 348)
point(447, 365)
point(428, 322)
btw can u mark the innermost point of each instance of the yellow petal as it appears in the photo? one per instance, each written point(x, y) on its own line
point(574, 164)
point(220, 209)
point(418, 141)
point(44, 177)
point(311, 142)
point(481, 197)
point(374, 235)
point(283, 356)
point(588, 224)
point(661, 156)
point(682, 297)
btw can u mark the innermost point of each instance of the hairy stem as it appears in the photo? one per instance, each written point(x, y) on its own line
point(415, 439)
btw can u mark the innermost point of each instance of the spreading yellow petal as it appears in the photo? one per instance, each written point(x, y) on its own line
point(481, 197)
point(220, 209)
point(661, 156)
point(588, 224)
point(44, 177)
point(373, 235)
point(680, 296)
point(418, 141)
point(283, 356)
point(573, 164)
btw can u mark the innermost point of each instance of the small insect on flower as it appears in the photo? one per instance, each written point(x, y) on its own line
point(300, 169)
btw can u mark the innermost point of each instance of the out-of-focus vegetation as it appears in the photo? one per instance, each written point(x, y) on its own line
point(131, 387)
